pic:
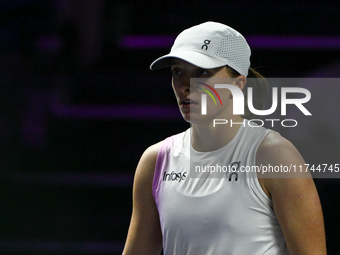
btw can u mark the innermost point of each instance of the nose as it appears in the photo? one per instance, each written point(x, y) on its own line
point(182, 83)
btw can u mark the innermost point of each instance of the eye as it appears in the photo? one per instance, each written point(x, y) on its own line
point(202, 72)
point(175, 71)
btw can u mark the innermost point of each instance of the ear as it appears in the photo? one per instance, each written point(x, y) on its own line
point(241, 81)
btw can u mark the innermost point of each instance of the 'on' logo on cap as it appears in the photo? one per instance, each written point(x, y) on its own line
point(205, 45)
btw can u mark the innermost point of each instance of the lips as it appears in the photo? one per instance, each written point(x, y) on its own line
point(187, 101)
point(187, 104)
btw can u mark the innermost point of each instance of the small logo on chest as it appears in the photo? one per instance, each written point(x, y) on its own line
point(235, 166)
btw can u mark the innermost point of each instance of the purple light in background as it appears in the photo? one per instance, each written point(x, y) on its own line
point(19, 246)
point(146, 41)
point(293, 42)
point(255, 42)
point(75, 179)
point(135, 112)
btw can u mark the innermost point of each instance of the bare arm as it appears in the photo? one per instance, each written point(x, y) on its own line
point(144, 236)
point(295, 200)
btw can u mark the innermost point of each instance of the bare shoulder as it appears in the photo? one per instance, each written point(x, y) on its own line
point(276, 151)
point(150, 154)
point(275, 148)
point(147, 162)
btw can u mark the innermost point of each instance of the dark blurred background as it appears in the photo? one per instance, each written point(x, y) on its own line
point(79, 106)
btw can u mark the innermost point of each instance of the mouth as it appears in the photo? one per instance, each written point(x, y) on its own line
point(187, 103)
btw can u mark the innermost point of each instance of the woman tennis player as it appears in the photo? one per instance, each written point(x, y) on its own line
point(180, 206)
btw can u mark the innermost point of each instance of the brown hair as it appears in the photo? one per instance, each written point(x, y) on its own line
point(260, 90)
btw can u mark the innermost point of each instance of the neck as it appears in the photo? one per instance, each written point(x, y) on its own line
point(210, 138)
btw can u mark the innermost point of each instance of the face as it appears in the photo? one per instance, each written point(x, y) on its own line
point(189, 98)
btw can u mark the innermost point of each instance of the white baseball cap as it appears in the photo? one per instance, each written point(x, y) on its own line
point(209, 45)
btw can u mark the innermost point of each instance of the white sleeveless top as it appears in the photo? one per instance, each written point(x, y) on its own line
point(214, 215)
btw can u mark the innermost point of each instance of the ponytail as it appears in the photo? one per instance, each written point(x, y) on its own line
point(260, 89)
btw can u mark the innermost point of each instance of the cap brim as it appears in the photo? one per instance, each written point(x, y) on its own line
point(194, 58)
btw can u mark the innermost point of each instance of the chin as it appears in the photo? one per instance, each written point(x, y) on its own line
point(197, 120)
